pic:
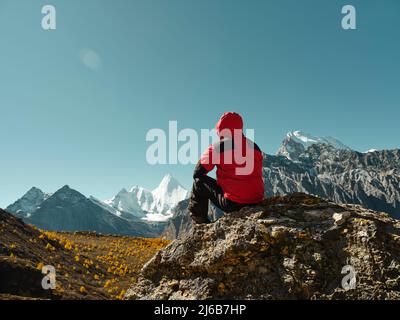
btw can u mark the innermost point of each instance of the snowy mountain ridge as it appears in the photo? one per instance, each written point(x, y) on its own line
point(296, 142)
point(137, 203)
point(28, 203)
point(149, 205)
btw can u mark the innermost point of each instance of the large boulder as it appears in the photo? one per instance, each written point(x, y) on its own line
point(292, 247)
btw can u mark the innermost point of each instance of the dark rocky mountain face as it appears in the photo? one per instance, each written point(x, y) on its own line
point(370, 179)
point(291, 149)
point(24, 206)
point(181, 222)
point(69, 210)
point(292, 247)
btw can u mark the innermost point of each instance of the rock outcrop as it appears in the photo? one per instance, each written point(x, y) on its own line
point(292, 247)
point(181, 222)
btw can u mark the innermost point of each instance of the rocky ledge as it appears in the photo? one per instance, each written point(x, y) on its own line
point(291, 247)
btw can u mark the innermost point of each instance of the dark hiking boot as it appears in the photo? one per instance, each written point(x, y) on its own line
point(200, 220)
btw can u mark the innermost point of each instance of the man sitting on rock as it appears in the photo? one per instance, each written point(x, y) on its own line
point(239, 172)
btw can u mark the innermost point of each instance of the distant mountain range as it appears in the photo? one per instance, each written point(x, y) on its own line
point(137, 212)
point(325, 167)
point(328, 168)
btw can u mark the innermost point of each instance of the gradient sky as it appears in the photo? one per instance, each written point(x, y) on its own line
point(76, 103)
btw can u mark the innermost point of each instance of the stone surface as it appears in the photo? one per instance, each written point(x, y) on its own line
point(287, 248)
point(341, 218)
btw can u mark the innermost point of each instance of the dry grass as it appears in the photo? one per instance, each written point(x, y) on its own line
point(88, 265)
point(110, 263)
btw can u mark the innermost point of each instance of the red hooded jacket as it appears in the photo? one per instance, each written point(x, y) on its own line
point(238, 161)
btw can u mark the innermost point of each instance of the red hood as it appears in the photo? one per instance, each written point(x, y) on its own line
point(231, 121)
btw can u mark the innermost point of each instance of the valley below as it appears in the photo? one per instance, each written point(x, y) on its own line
point(88, 266)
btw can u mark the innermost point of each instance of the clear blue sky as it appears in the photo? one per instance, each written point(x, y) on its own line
point(285, 65)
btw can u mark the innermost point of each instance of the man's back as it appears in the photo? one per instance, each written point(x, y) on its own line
point(239, 169)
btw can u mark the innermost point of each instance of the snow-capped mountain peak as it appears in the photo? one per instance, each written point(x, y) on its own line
point(296, 142)
point(126, 202)
point(370, 151)
point(168, 194)
point(67, 194)
point(307, 140)
point(149, 205)
point(303, 138)
point(28, 203)
point(143, 196)
point(167, 185)
point(122, 191)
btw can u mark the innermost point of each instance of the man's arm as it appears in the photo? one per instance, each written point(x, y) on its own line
point(205, 163)
point(199, 171)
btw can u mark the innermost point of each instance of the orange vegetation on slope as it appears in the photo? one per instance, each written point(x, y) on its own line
point(88, 265)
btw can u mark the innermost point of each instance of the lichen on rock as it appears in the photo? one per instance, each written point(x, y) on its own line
point(288, 247)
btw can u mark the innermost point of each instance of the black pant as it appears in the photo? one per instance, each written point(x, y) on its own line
point(204, 189)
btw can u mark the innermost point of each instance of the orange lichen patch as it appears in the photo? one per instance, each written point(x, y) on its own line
point(40, 266)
